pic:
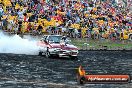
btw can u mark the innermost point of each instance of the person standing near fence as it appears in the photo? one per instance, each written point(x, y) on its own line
point(1, 11)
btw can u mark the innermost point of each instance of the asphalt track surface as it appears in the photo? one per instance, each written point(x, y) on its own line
point(30, 71)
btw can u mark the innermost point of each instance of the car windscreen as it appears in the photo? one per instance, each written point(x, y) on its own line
point(55, 39)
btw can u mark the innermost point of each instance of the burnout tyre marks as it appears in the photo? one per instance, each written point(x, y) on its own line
point(39, 71)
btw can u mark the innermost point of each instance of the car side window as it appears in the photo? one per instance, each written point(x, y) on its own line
point(54, 39)
point(44, 38)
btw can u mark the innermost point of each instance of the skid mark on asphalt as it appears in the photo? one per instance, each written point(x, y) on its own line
point(36, 71)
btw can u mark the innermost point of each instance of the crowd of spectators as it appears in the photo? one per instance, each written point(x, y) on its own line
point(80, 17)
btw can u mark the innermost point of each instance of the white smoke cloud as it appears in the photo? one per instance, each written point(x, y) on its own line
point(17, 45)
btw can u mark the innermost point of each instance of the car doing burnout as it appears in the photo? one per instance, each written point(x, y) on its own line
point(57, 45)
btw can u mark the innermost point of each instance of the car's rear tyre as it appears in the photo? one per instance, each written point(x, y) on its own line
point(47, 53)
point(40, 53)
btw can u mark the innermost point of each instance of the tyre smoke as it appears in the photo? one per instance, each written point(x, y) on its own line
point(17, 45)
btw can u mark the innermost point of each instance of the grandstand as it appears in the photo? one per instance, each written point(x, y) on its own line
point(78, 18)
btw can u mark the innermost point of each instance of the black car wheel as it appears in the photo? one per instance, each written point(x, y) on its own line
point(47, 53)
point(40, 53)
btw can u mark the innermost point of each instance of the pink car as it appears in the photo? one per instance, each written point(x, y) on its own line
point(57, 45)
